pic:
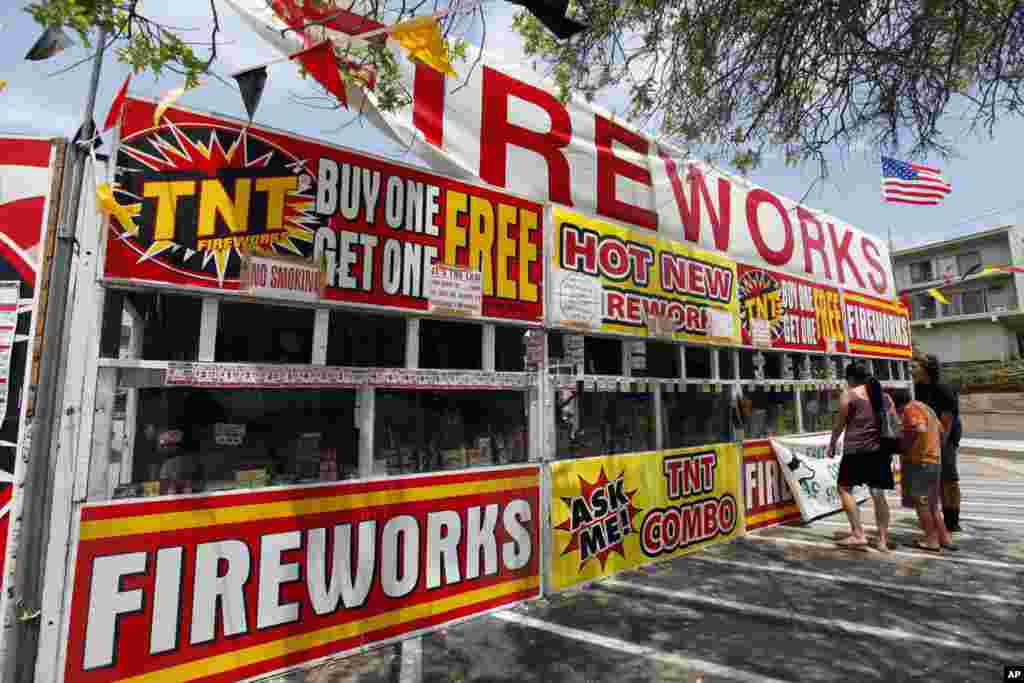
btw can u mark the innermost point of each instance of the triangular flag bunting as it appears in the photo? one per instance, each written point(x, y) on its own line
point(166, 101)
point(551, 13)
point(52, 41)
point(938, 296)
point(109, 207)
point(319, 61)
point(117, 106)
point(421, 38)
point(251, 84)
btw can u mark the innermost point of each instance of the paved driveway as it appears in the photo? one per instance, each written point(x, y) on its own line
point(782, 604)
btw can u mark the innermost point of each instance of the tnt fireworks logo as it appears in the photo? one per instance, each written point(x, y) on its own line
point(762, 306)
point(200, 195)
point(600, 518)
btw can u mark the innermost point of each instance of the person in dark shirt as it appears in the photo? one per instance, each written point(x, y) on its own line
point(941, 399)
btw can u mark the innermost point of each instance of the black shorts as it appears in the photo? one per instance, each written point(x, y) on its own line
point(949, 469)
point(872, 469)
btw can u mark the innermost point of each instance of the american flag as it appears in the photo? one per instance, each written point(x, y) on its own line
point(907, 183)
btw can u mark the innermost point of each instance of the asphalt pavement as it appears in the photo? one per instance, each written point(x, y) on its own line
point(782, 604)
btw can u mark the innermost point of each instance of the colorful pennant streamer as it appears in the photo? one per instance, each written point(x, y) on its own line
point(421, 38)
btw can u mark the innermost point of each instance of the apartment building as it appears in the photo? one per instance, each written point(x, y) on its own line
point(984, 319)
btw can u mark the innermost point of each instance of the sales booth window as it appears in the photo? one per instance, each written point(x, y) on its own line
point(769, 413)
point(365, 340)
point(450, 345)
point(698, 362)
point(695, 418)
point(820, 407)
point(509, 348)
point(167, 325)
point(603, 356)
point(189, 440)
point(594, 423)
point(430, 431)
point(883, 370)
point(662, 360)
point(253, 333)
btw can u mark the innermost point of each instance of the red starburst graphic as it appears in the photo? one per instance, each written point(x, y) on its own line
point(600, 518)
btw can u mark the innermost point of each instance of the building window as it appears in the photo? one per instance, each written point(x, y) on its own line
point(921, 271)
point(953, 307)
point(964, 262)
point(973, 302)
point(925, 307)
point(998, 299)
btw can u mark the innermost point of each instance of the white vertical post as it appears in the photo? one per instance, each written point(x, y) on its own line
point(365, 416)
point(208, 330)
point(736, 374)
point(682, 361)
point(659, 420)
point(716, 366)
point(412, 343)
point(99, 486)
point(798, 395)
point(536, 396)
point(488, 338)
point(321, 332)
point(627, 359)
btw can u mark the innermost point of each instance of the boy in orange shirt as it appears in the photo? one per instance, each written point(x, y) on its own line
point(920, 461)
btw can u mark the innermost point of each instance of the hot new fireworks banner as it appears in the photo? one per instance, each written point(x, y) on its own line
point(618, 512)
point(606, 278)
point(203, 193)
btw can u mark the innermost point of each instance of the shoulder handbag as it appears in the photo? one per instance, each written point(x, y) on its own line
point(890, 427)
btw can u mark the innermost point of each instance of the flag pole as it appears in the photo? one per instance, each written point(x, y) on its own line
point(30, 529)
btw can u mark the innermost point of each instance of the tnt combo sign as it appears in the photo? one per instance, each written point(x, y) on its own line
point(224, 587)
point(619, 512)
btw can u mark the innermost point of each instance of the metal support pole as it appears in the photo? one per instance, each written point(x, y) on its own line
point(21, 620)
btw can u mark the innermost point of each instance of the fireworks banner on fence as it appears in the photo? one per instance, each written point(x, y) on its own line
point(204, 190)
point(606, 278)
point(233, 586)
point(618, 512)
point(780, 311)
point(766, 494)
point(876, 327)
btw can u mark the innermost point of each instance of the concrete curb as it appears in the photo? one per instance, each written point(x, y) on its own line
point(1016, 456)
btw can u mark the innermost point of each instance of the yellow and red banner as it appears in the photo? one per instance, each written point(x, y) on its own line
point(225, 587)
point(200, 192)
point(779, 311)
point(616, 512)
point(606, 278)
point(766, 495)
point(876, 327)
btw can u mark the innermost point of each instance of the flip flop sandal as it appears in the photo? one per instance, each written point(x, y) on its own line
point(927, 548)
point(852, 545)
point(951, 547)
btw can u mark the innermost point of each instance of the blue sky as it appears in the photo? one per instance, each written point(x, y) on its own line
point(39, 102)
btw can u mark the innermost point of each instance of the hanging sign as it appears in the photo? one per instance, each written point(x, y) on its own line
point(200, 191)
point(639, 275)
point(232, 586)
point(780, 311)
point(279, 277)
point(811, 475)
point(455, 291)
point(876, 327)
point(618, 512)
